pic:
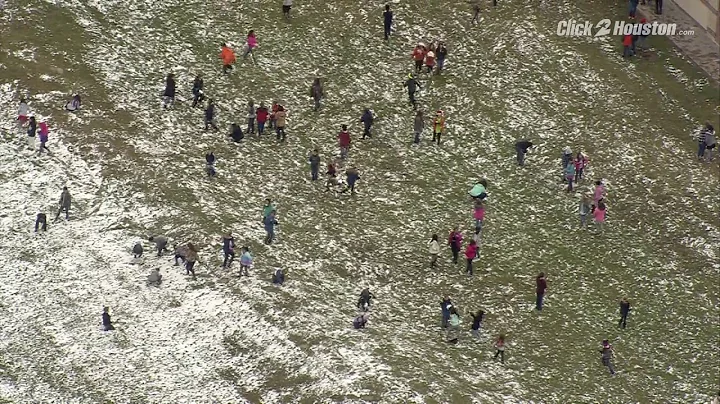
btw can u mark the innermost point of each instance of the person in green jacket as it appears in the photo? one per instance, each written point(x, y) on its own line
point(269, 207)
point(479, 190)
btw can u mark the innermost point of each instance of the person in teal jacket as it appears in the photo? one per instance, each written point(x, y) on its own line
point(569, 175)
point(479, 190)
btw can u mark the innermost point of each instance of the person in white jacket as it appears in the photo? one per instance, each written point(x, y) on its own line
point(434, 251)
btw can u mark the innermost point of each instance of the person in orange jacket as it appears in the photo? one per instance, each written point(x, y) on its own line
point(228, 58)
point(418, 56)
point(430, 61)
point(438, 126)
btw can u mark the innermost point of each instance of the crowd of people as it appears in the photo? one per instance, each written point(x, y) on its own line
point(428, 60)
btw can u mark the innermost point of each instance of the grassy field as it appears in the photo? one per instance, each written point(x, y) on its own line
point(135, 169)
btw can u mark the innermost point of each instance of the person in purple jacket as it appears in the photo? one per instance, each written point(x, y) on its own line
point(455, 243)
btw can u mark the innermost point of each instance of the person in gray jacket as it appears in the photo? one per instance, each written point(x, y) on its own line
point(161, 243)
point(314, 164)
point(418, 126)
point(154, 278)
point(251, 117)
point(65, 200)
point(138, 250)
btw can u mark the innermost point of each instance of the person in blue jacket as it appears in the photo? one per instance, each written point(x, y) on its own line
point(270, 222)
point(445, 306)
point(352, 177)
point(367, 120)
point(387, 21)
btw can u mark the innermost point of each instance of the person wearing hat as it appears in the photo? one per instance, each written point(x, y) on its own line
point(412, 85)
point(438, 126)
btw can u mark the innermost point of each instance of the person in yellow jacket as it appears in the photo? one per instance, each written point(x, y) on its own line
point(438, 126)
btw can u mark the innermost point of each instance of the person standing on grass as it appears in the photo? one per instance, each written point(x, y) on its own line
point(169, 93)
point(280, 122)
point(40, 222)
point(430, 61)
point(584, 209)
point(521, 149)
point(445, 307)
point(316, 92)
point(479, 215)
point(540, 286)
point(228, 250)
point(598, 193)
point(262, 117)
point(23, 111)
point(702, 139)
point(210, 116)
point(441, 53)
point(106, 320)
point(344, 141)
point(624, 311)
point(476, 12)
point(365, 299)
point(352, 177)
point(627, 46)
point(599, 215)
point(287, 5)
point(267, 208)
point(412, 87)
point(273, 110)
point(418, 126)
point(387, 21)
point(566, 157)
point(453, 331)
point(31, 132)
point(331, 174)
point(470, 254)
point(44, 134)
point(418, 56)
point(251, 115)
point(228, 58)
point(137, 250)
point(197, 91)
point(246, 261)
point(181, 252)
point(155, 278)
point(569, 175)
point(580, 163)
point(438, 126)
point(250, 44)
point(210, 164)
point(191, 259)
point(641, 39)
point(270, 224)
point(314, 164)
point(477, 323)
point(434, 247)
point(633, 4)
point(64, 204)
point(367, 120)
point(658, 7)
point(500, 348)
point(710, 144)
point(455, 243)
point(606, 352)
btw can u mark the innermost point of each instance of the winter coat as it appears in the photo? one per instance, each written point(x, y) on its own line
point(710, 138)
point(210, 158)
point(455, 240)
point(210, 112)
point(227, 55)
point(540, 285)
point(270, 223)
point(314, 161)
point(454, 320)
point(344, 139)
point(352, 177)
point(246, 259)
point(477, 320)
point(566, 158)
point(412, 85)
point(434, 247)
point(570, 170)
point(237, 134)
point(316, 91)
point(477, 190)
point(523, 145)
point(228, 244)
point(439, 123)
point(278, 277)
point(479, 213)
point(251, 112)
point(154, 276)
point(169, 87)
point(430, 59)
point(160, 240)
point(65, 199)
point(192, 256)
point(367, 118)
point(252, 42)
point(387, 18)
point(32, 128)
point(471, 251)
point(23, 109)
point(418, 124)
point(262, 114)
point(137, 249)
point(627, 40)
point(198, 85)
point(441, 52)
point(280, 118)
point(106, 319)
point(418, 53)
point(181, 251)
point(267, 210)
point(624, 308)
point(44, 132)
point(445, 306)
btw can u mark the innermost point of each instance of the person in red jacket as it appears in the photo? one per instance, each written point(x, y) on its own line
point(344, 142)
point(273, 111)
point(262, 116)
point(540, 286)
point(628, 46)
point(430, 61)
point(470, 254)
point(418, 56)
point(455, 242)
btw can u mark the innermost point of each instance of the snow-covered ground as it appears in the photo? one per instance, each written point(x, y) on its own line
point(136, 170)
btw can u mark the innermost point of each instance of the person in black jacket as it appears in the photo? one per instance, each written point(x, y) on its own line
point(387, 21)
point(624, 311)
point(365, 300)
point(412, 85)
point(236, 133)
point(41, 221)
point(210, 116)
point(169, 94)
point(228, 249)
point(314, 164)
point(210, 164)
point(521, 148)
point(367, 120)
point(197, 91)
point(107, 322)
point(477, 323)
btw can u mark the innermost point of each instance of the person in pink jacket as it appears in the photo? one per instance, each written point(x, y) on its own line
point(599, 215)
point(598, 193)
point(479, 215)
point(250, 45)
point(470, 254)
point(44, 132)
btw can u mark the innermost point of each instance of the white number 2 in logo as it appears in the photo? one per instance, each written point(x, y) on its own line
point(603, 27)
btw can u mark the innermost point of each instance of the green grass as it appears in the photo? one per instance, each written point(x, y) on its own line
point(510, 77)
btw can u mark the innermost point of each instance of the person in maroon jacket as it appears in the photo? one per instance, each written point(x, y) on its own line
point(541, 285)
point(455, 242)
point(262, 117)
point(344, 142)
